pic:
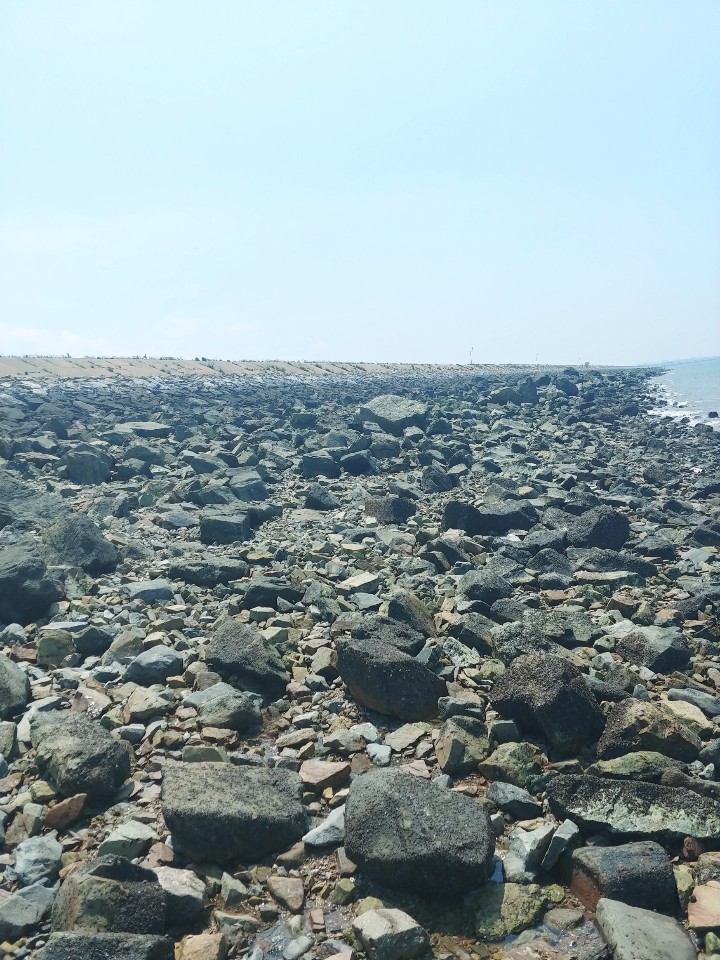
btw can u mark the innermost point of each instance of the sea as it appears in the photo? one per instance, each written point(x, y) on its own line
point(690, 388)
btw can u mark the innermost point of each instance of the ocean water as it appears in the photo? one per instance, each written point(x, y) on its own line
point(690, 389)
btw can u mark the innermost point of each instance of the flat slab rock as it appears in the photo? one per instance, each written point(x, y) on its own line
point(636, 934)
point(106, 946)
point(218, 812)
point(633, 808)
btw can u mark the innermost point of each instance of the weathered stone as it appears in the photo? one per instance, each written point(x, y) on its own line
point(390, 935)
point(462, 743)
point(395, 414)
point(404, 832)
point(23, 910)
point(638, 725)
point(242, 656)
point(80, 755)
point(383, 678)
point(77, 541)
point(38, 859)
point(636, 934)
point(26, 590)
point(106, 946)
point(221, 705)
point(220, 812)
point(625, 808)
point(639, 874)
point(548, 696)
point(110, 895)
point(14, 688)
point(502, 909)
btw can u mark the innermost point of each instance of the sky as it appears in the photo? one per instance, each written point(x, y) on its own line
point(344, 180)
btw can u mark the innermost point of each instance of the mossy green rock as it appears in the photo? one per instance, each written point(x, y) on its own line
point(512, 763)
point(501, 909)
point(643, 765)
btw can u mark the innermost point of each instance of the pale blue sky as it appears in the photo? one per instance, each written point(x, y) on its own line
point(345, 180)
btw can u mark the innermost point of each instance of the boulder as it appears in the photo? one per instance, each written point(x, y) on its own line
point(490, 519)
point(239, 653)
point(395, 414)
point(87, 467)
point(402, 831)
point(106, 946)
point(38, 859)
point(225, 526)
point(221, 705)
point(461, 744)
point(14, 688)
point(636, 934)
point(385, 679)
point(660, 649)
point(79, 754)
point(22, 912)
point(77, 541)
point(403, 636)
point(639, 874)
point(26, 590)
point(484, 586)
point(110, 895)
point(548, 697)
point(390, 935)
point(154, 665)
point(626, 808)
point(638, 725)
point(220, 812)
point(599, 527)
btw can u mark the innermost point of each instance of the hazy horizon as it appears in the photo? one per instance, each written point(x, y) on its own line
point(532, 182)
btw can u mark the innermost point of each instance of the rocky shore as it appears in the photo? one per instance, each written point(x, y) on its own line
point(385, 663)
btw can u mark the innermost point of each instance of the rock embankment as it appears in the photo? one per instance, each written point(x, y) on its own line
point(324, 661)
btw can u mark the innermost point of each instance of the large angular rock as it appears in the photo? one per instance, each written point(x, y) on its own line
point(395, 414)
point(390, 935)
point(636, 934)
point(639, 874)
point(266, 591)
point(225, 526)
point(461, 745)
point(26, 590)
point(221, 705)
point(484, 586)
point(402, 636)
point(242, 657)
point(14, 688)
point(490, 519)
point(381, 677)
point(38, 859)
point(404, 832)
point(76, 540)
point(548, 696)
point(626, 808)
point(23, 911)
point(110, 895)
point(154, 666)
point(79, 754)
point(106, 946)
point(220, 812)
point(599, 527)
point(661, 649)
point(407, 608)
point(87, 467)
point(638, 725)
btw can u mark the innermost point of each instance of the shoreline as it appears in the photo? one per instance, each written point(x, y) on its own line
point(200, 574)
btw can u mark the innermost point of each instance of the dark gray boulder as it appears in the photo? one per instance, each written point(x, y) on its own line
point(599, 527)
point(225, 527)
point(639, 874)
point(26, 590)
point(239, 653)
point(221, 705)
point(87, 467)
point(375, 626)
point(383, 678)
point(320, 498)
point(634, 725)
point(490, 519)
point(106, 946)
point(661, 649)
point(218, 812)
point(390, 509)
point(404, 832)
point(154, 665)
point(110, 895)
point(548, 696)
point(484, 586)
point(265, 592)
point(14, 688)
point(78, 541)
point(79, 754)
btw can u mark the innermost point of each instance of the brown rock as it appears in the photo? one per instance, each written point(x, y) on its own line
point(318, 774)
point(65, 812)
point(704, 907)
point(205, 946)
point(288, 891)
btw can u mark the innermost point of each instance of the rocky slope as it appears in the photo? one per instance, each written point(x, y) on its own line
point(395, 663)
